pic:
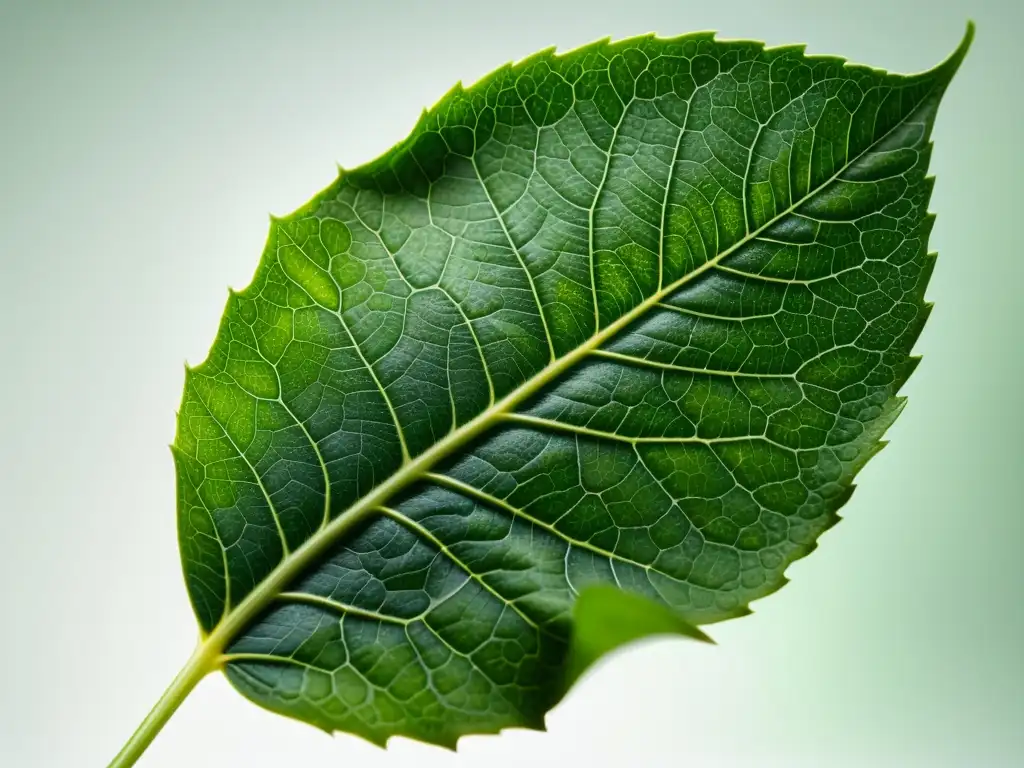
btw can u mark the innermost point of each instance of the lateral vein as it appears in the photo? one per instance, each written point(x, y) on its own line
point(420, 530)
point(256, 476)
point(359, 352)
point(471, 490)
point(519, 257)
point(644, 362)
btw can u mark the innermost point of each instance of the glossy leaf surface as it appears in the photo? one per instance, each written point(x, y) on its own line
point(632, 316)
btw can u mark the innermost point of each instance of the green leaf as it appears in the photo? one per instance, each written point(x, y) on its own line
point(594, 354)
point(606, 618)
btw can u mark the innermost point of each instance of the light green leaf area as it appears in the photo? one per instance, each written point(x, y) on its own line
point(629, 317)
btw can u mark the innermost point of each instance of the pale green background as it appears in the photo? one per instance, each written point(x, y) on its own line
point(142, 146)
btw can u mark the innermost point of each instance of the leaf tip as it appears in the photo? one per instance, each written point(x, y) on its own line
point(968, 35)
point(956, 58)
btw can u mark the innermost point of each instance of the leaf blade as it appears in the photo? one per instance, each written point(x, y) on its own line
point(377, 239)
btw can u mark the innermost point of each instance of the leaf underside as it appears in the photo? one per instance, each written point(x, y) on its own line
point(632, 316)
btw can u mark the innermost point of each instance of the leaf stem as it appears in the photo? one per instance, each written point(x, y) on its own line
point(202, 661)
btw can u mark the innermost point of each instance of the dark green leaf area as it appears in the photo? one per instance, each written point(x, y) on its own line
point(629, 317)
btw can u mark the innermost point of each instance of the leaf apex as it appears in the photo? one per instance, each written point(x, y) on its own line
point(952, 63)
point(965, 42)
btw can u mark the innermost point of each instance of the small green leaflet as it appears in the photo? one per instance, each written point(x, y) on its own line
point(594, 354)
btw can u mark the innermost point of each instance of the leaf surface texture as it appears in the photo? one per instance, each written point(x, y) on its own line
point(633, 316)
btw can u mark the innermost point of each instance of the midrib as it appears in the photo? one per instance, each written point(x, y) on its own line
point(417, 468)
